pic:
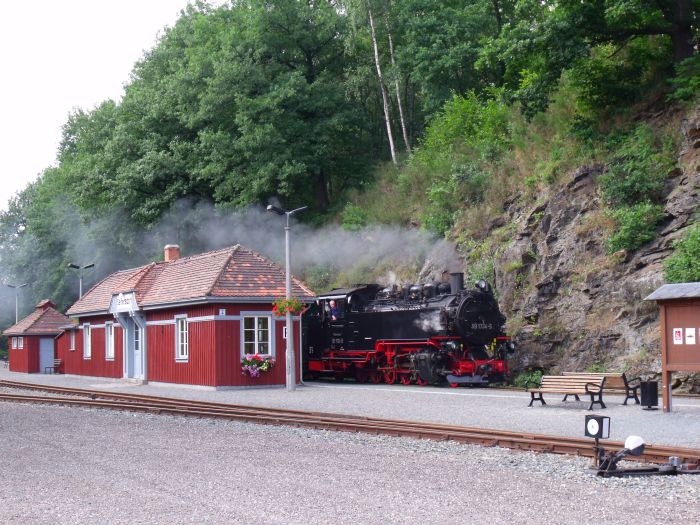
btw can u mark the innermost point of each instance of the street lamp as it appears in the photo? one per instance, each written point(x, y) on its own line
point(80, 273)
point(289, 353)
point(16, 288)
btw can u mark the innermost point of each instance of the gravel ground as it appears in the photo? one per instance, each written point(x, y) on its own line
point(477, 407)
point(75, 465)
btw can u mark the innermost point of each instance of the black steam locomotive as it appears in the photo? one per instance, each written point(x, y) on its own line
point(423, 334)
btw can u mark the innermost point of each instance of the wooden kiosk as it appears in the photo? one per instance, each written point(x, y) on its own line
point(680, 332)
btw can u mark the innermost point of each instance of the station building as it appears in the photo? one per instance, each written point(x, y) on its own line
point(31, 340)
point(185, 320)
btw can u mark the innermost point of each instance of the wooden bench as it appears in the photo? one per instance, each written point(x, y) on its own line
point(616, 382)
point(587, 385)
point(56, 365)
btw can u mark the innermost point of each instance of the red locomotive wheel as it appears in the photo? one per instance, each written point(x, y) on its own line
point(421, 382)
point(377, 377)
point(405, 379)
point(390, 377)
point(454, 385)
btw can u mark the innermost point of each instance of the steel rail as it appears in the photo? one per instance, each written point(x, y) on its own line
point(488, 437)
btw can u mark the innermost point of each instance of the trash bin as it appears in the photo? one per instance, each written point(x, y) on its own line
point(650, 394)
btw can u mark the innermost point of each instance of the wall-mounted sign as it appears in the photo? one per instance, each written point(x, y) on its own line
point(123, 303)
point(677, 336)
point(690, 336)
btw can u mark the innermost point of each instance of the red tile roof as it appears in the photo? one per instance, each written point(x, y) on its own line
point(233, 272)
point(45, 320)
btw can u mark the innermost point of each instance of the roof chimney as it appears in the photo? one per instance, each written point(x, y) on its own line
point(172, 252)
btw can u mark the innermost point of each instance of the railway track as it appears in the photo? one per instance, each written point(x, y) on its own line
point(328, 421)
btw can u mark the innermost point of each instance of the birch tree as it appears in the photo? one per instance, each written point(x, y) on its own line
point(382, 85)
point(397, 86)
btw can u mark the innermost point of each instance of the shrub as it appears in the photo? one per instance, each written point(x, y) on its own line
point(687, 81)
point(481, 124)
point(636, 225)
point(354, 218)
point(523, 378)
point(639, 171)
point(684, 264)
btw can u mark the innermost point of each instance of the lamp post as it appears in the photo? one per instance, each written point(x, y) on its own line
point(289, 353)
point(80, 273)
point(16, 288)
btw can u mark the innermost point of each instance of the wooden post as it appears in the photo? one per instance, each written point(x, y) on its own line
point(665, 374)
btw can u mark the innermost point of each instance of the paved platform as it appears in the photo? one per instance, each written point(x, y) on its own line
point(474, 407)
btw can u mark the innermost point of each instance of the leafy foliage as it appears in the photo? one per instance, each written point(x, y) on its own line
point(687, 81)
point(528, 378)
point(460, 141)
point(684, 264)
point(639, 170)
point(636, 225)
point(354, 218)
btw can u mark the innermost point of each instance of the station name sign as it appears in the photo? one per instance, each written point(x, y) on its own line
point(123, 303)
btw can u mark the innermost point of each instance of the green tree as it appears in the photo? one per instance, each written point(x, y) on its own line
point(548, 37)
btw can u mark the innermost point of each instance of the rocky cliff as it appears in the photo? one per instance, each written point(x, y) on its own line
point(572, 305)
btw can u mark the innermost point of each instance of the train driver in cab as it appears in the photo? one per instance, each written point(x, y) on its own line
point(333, 310)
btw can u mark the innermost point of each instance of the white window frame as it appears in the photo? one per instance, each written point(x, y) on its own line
point(256, 342)
point(87, 341)
point(20, 342)
point(72, 341)
point(14, 343)
point(182, 349)
point(109, 341)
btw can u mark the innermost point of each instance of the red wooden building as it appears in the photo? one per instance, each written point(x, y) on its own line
point(184, 320)
point(31, 340)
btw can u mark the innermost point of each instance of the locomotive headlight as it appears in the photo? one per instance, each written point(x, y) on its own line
point(510, 346)
point(482, 285)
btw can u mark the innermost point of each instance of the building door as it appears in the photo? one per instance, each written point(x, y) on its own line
point(46, 355)
point(137, 351)
point(134, 345)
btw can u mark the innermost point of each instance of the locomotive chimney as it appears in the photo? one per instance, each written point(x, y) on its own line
point(456, 282)
point(171, 252)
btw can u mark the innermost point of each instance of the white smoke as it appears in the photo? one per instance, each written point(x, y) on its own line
point(199, 227)
point(429, 322)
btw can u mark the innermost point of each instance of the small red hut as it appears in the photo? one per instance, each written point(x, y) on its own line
point(186, 320)
point(31, 340)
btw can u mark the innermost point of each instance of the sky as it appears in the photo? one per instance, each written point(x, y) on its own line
point(60, 55)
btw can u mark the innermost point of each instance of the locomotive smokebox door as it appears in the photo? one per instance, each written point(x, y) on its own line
point(598, 427)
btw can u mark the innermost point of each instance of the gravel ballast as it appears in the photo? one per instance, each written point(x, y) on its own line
point(77, 465)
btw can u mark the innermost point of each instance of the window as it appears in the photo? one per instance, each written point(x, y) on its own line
point(137, 338)
point(72, 341)
point(256, 335)
point(20, 342)
point(87, 341)
point(14, 342)
point(181, 348)
point(109, 341)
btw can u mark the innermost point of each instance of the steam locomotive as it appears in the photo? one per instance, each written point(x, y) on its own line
point(423, 334)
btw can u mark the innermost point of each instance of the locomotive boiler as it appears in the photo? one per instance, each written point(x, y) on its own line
point(424, 334)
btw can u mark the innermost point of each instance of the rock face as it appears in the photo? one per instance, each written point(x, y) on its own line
point(571, 304)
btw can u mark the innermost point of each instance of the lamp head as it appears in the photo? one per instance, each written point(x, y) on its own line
point(91, 265)
point(275, 209)
point(635, 445)
point(74, 266)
